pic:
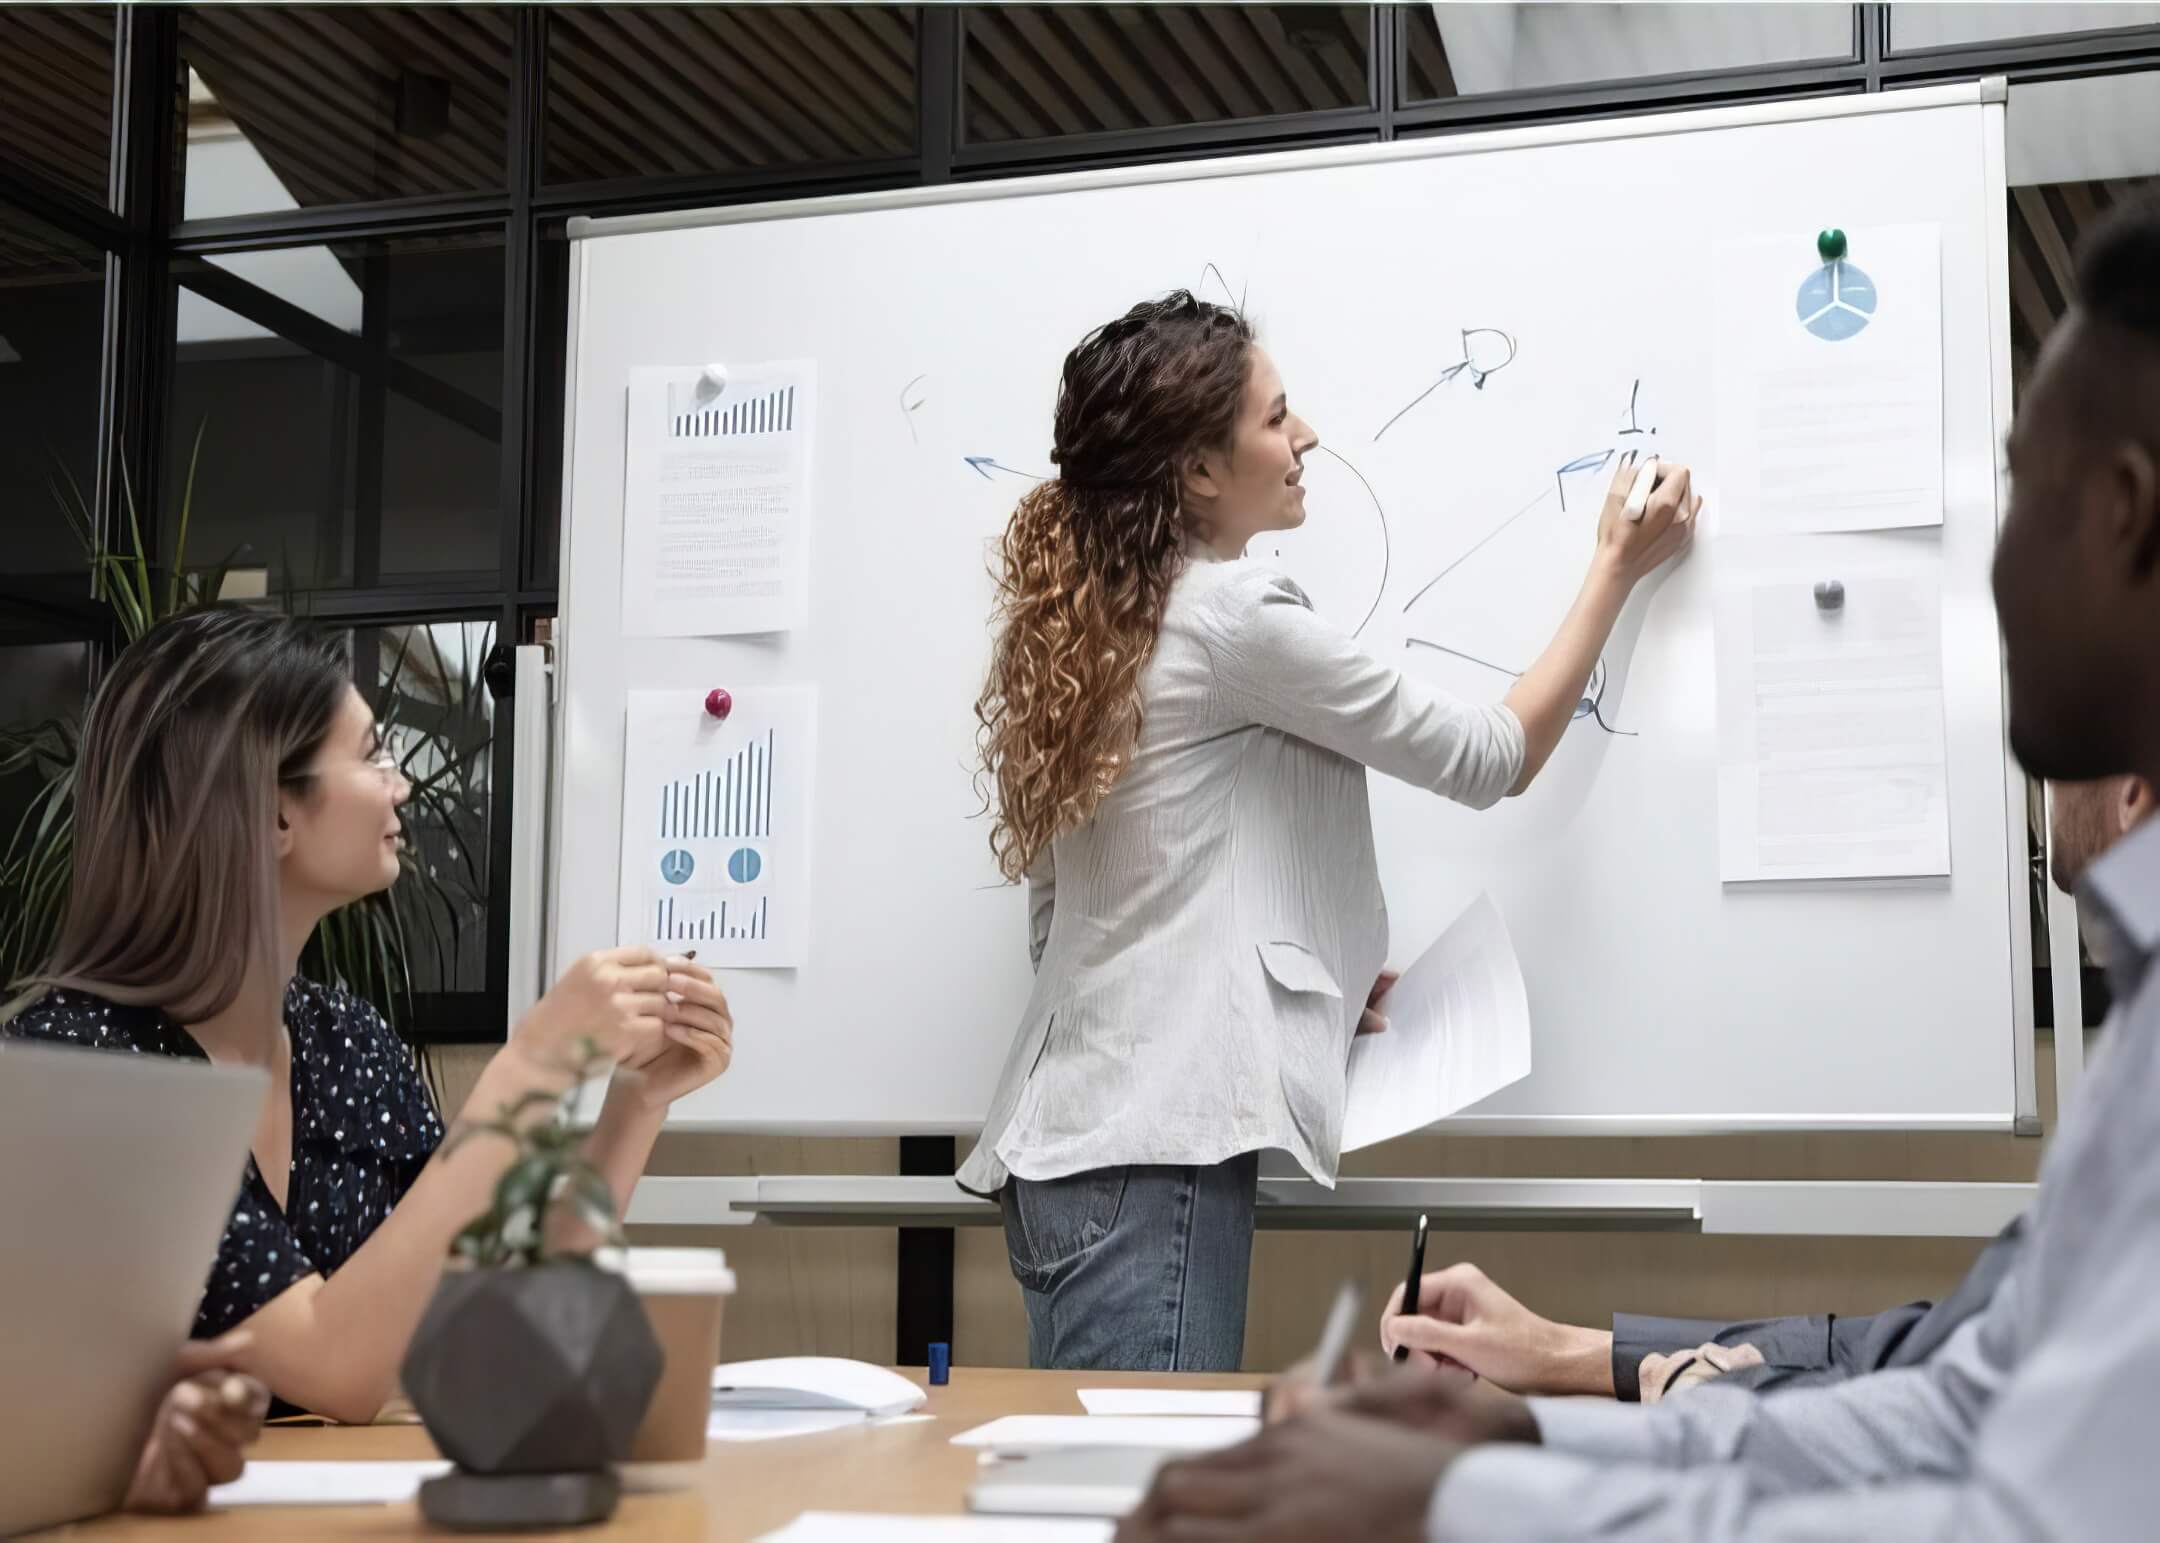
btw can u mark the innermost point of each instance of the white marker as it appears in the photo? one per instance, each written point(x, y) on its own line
point(1638, 499)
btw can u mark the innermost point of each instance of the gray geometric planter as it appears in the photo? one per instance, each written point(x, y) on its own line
point(543, 1371)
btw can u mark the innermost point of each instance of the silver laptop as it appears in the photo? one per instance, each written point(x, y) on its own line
point(116, 1175)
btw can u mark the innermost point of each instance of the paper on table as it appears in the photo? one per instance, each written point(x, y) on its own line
point(1177, 1401)
point(1831, 756)
point(716, 825)
point(1829, 383)
point(864, 1527)
point(1051, 1432)
point(716, 501)
point(359, 1483)
point(1458, 1031)
point(771, 1424)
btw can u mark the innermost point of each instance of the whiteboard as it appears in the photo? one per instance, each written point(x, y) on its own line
point(1662, 1000)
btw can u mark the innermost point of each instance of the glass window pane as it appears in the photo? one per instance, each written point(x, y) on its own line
point(2099, 127)
point(349, 403)
point(1470, 50)
point(1915, 27)
point(52, 328)
point(1044, 71)
point(638, 91)
point(289, 107)
point(56, 90)
point(423, 680)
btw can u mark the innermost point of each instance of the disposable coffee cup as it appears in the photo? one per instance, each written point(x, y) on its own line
point(683, 1291)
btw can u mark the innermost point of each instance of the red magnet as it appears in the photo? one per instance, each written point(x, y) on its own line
point(719, 703)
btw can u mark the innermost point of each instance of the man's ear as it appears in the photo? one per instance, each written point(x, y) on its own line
point(2132, 482)
point(2133, 803)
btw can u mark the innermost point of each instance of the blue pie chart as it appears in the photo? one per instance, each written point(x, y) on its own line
point(744, 865)
point(677, 866)
point(1836, 302)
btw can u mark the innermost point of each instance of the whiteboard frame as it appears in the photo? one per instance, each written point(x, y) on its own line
point(1990, 94)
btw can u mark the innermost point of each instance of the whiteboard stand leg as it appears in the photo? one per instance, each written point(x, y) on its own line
point(2065, 975)
point(534, 717)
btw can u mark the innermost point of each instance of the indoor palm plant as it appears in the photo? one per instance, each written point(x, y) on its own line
point(364, 947)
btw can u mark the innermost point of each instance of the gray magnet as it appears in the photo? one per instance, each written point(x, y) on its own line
point(1829, 596)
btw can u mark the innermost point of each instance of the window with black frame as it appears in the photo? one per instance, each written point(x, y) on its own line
point(52, 300)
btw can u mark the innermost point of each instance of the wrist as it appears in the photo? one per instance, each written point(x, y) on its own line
point(1583, 1362)
point(1608, 577)
point(511, 1074)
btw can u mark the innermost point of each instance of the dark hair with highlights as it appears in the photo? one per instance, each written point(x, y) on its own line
point(1088, 559)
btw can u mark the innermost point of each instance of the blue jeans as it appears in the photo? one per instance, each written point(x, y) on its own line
point(1135, 1268)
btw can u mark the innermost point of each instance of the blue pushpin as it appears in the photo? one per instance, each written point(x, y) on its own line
point(940, 1364)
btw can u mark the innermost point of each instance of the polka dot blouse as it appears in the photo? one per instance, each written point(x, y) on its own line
point(363, 1126)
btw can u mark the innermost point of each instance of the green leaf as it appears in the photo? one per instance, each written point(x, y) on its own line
point(173, 589)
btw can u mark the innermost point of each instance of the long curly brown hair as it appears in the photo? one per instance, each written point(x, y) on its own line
point(1088, 559)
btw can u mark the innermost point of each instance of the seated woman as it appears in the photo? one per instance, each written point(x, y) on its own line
point(232, 791)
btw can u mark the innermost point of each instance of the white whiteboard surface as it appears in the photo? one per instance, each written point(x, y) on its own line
point(1662, 1000)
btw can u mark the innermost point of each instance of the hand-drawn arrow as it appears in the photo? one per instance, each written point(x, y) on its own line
point(984, 465)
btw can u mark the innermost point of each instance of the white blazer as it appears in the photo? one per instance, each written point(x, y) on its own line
point(1204, 944)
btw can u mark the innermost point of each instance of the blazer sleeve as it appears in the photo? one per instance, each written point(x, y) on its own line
point(1278, 663)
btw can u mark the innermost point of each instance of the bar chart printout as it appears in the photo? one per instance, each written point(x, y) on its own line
point(716, 825)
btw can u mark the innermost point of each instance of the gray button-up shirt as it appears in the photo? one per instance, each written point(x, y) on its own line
point(2040, 1418)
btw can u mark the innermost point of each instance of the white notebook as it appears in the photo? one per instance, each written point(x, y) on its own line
point(813, 1382)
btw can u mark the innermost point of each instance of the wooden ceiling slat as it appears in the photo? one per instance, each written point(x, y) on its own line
point(615, 69)
point(1344, 60)
point(756, 96)
point(892, 30)
point(1301, 70)
point(1081, 74)
point(833, 110)
point(1210, 62)
point(1429, 78)
point(2047, 237)
point(828, 35)
point(450, 163)
point(616, 118)
point(1253, 59)
point(303, 125)
point(311, 118)
point(79, 50)
point(1054, 112)
point(1147, 40)
point(986, 96)
point(804, 135)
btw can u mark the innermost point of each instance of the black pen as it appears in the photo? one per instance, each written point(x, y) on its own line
point(1413, 1280)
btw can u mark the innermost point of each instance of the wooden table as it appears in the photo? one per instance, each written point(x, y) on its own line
point(741, 1490)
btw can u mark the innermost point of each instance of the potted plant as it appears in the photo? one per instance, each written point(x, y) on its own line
point(532, 1367)
point(365, 947)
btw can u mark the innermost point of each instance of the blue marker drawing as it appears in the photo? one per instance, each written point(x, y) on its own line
point(1592, 703)
point(986, 464)
point(909, 409)
point(1836, 302)
point(1491, 342)
point(1593, 699)
point(677, 866)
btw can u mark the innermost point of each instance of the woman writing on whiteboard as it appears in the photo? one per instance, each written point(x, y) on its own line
point(233, 789)
point(1178, 745)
